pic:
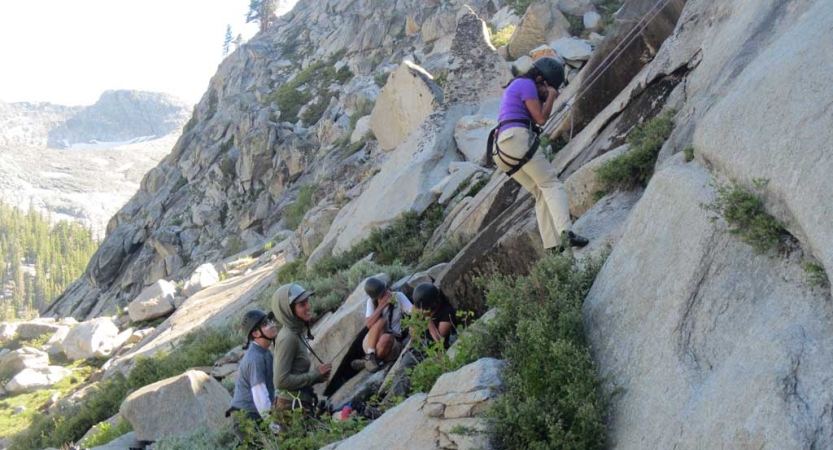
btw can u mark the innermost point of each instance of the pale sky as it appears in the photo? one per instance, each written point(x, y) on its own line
point(69, 51)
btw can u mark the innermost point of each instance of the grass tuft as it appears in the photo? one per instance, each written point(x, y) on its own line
point(635, 167)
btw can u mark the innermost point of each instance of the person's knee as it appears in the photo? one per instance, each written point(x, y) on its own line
point(384, 346)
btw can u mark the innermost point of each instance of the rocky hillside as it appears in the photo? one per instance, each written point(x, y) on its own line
point(106, 149)
point(699, 163)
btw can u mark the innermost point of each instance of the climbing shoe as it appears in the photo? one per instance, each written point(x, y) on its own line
point(574, 240)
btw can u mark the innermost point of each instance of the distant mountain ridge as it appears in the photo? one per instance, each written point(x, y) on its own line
point(122, 116)
point(117, 116)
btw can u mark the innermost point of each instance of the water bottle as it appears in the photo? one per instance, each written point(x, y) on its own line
point(346, 411)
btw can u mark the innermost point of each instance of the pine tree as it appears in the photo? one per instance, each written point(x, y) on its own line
point(262, 12)
point(38, 261)
point(227, 40)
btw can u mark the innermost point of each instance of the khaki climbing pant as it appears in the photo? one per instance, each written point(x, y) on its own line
point(539, 178)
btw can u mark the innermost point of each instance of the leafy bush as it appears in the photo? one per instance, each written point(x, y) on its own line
point(688, 154)
point(501, 37)
point(554, 396)
point(295, 212)
point(519, 6)
point(107, 433)
point(199, 348)
point(746, 216)
point(216, 439)
point(71, 424)
point(444, 253)
point(331, 289)
point(402, 241)
point(816, 276)
point(635, 167)
point(298, 432)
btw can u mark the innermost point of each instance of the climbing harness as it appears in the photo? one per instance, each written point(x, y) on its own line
point(514, 164)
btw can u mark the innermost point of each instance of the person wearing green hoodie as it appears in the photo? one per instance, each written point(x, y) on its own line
point(294, 373)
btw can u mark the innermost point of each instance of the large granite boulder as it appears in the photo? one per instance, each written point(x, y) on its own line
point(176, 405)
point(23, 358)
point(475, 71)
point(432, 421)
point(8, 331)
point(472, 132)
point(55, 344)
point(156, 300)
point(582, 186)
point(36, 378)
point(409, 96)
point(685, 319)
point(96, 338)
point(542, 23)
point(205, 275)
point(36, 328)
point(403, 183)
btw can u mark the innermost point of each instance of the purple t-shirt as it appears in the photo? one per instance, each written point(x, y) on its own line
point(512, 105)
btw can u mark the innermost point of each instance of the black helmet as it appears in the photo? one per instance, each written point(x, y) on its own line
point(250, 320)
point(551, 69)
point(374, 288)
point(426, 296)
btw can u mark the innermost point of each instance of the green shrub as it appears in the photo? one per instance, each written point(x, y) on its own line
point(815, 274)
point(314, 112)
point(331, 290)
point(746, 215)
point(294, 213)
point(291, 271)
point(635, 167)
point(444, 253)
point(71, 424)
point(107, 433)
point(554, 396)
point(576, 24)
point(501, 37)
point(234, 245)
point(211, 438)
point(403, 240)
point(688, 154)
point(298, 432)
point(436, 359)
point(381, 79)
point(519, 6)
point(199, 348)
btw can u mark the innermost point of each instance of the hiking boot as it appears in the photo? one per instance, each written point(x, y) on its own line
point(370, 363)
point(358, 364)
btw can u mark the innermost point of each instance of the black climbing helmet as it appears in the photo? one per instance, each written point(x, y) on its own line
point(375, 288)
point(426, 296)
point(251, 320)
point(551, 69)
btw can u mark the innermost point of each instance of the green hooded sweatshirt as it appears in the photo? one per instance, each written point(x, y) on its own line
point(293, 368)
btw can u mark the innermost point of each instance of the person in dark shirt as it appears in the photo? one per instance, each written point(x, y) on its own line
point(432, 302)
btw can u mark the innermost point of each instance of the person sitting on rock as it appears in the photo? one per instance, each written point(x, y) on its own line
point(383, 318)
point(515, 144)
point(429, 300)
point(294, 372)
point(254, 389)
